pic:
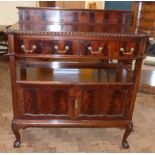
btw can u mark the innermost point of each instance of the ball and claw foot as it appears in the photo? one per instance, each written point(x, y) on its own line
point(125, 144)
point(16, 144)
point(15, 130)
point(128, 130)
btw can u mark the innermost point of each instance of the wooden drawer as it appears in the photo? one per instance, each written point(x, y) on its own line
point(108, 48)
point(44, 46)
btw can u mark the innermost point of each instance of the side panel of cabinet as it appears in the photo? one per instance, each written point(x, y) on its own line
point(45, 100)
point(102, 101)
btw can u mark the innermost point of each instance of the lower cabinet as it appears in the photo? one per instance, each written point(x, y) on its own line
point(73, 101)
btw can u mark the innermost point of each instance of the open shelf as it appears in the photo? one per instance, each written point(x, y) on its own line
point(76, 75)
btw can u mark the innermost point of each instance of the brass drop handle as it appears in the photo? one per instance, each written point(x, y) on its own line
point(61, 52)
point(28, 50)
point(99, 50)
point(126, 53)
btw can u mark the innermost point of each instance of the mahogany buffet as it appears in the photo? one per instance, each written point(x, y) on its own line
point(74, 68)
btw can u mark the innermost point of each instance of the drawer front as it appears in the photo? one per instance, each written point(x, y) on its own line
point(43, 46)
point(109, 48)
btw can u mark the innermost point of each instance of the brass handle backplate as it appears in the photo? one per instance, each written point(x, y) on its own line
point(76, 104)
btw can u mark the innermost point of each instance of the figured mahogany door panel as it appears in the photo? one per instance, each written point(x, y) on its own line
point(45, 100)
point(101, 101)
point(40, 46)
point(111, 48)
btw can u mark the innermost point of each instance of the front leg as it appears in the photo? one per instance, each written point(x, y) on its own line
point(128, 130)
point(15, 129)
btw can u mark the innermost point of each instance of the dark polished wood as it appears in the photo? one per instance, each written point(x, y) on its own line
point(144, 16)
point(86, 57)
point(128, 130)
point(15, 129)
point(57, 15)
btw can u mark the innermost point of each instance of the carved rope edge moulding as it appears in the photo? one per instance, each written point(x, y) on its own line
point(77, 33)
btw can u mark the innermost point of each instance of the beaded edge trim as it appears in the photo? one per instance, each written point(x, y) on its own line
point(77, 34)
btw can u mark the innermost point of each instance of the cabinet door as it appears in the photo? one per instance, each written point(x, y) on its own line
point(42, 100)
point(99, 101)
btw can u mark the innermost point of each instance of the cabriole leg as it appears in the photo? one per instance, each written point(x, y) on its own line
point(15, 129)
point(128, 130)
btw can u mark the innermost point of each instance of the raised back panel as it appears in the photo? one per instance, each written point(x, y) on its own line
point(53, 15)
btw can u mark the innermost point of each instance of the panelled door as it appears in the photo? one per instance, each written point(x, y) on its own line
point(73, 101)
point(45, 100)
point(101, 101)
